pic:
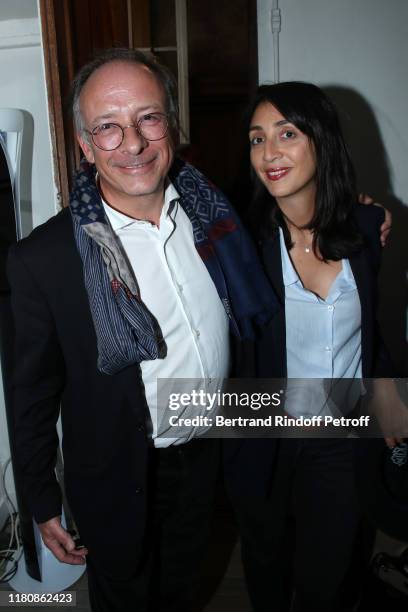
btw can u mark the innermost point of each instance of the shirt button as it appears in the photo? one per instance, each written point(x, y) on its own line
point(328, 349)
point(138, 490)
point(330, 308)
point(197, 333)
point(180, 288)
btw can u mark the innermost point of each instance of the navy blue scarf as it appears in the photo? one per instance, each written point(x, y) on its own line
point(126, 331)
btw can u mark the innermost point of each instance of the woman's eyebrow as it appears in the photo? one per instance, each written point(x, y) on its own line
point(277, 124)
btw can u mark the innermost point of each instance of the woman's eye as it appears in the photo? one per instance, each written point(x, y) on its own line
point(255, 140)
point(288, 134)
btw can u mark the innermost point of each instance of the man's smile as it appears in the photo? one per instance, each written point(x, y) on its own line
point(139, 167)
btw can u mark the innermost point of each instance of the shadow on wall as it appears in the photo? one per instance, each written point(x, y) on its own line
point(26, 168)
point(374, 177)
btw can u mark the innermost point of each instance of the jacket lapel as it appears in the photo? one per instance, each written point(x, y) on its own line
point(363, 276)
point(271, 256)
point(272, 345)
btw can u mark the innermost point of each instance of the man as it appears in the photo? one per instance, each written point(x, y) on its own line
point(141, 278)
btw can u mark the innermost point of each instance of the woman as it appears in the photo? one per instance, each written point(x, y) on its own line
point(299, 517)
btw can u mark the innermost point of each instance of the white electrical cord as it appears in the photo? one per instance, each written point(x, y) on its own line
point(10, 554)
point(276, 28)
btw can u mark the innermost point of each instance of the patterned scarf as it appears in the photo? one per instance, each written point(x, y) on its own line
point(126, 331)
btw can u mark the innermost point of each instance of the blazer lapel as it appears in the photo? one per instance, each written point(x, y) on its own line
point(271, 256)
point(272, 345)
point(363, 277)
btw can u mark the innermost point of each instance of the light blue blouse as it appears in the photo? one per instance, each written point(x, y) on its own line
point(323, 341)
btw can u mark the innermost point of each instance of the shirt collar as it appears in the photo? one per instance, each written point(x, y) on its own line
point(119, 221)
point(290, 276)
point(343, 282)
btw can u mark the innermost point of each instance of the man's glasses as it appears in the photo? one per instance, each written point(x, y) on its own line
point(109, 136)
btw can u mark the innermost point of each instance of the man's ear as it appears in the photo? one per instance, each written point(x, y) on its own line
point(86, 149)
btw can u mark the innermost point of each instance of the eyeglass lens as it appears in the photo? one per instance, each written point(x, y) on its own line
point(109, 136)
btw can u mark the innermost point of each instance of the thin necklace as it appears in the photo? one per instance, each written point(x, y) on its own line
point(307, 248)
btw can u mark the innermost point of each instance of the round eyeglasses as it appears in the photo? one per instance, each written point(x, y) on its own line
point(109, 136)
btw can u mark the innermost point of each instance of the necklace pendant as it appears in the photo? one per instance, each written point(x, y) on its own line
point(307, 250)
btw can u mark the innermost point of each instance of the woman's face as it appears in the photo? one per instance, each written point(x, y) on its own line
point(282, 156)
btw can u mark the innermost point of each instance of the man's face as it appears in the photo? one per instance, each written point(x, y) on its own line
point(135, 172)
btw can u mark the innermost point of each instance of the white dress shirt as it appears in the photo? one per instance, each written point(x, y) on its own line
point(178, 290)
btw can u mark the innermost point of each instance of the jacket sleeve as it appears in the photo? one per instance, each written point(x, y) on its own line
point(370, 219)
point(38, 380)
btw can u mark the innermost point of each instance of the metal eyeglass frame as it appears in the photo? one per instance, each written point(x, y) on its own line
point(136, 126)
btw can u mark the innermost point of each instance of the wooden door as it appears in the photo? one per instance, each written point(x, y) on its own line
point(218, 52)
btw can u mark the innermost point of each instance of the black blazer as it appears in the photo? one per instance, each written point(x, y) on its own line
point(271, 348)
point(248, 464)
point(104, 417)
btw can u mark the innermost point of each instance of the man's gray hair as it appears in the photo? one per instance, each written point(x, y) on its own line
point(132, 56)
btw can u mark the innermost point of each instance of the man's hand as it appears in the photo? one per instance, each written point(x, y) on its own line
point(60, 543)
point(385, 229)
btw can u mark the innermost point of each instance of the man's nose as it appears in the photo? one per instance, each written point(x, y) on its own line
point(133, 141)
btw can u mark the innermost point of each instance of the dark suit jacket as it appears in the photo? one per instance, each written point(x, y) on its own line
point(249, 463)
point(104, 417)
point(271, 349)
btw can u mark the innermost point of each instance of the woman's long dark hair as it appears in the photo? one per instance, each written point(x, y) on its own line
point(335, 234)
